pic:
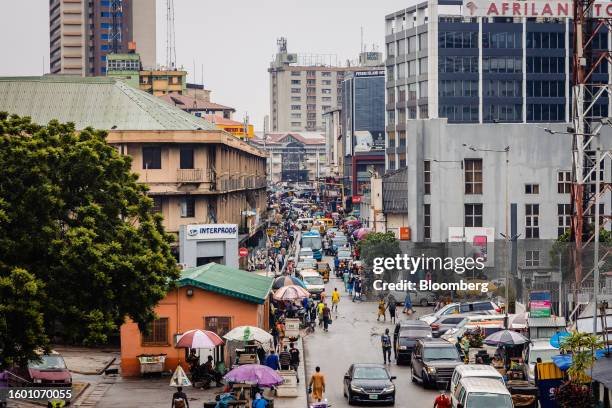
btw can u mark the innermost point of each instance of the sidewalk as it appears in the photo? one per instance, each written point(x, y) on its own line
point(301, 401)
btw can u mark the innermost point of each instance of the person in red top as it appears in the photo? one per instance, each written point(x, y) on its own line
point(442, 401)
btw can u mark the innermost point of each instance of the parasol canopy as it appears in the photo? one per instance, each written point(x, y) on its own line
point(361, 232)
point(505, 338)
point(199, 339)
point(291, 292)
point(286, 281)
point(254, 374)
point(248, 333)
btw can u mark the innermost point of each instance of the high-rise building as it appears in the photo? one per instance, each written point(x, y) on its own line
point(441, 63)
point(303, 87)
point(83, 32)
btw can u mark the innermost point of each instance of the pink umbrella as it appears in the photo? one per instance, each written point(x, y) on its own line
point(352, 223)
point(254, 374)
point(291, 292)
point(199, 339)
point(360, 233)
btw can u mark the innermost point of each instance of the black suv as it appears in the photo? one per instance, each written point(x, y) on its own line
point(433, 361)
point(405, 336)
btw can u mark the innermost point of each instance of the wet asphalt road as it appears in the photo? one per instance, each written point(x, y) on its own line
point(354, 337)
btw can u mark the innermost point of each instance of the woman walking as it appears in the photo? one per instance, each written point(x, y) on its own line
point(381, 310)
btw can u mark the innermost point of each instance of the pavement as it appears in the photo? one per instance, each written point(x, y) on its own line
point(354, 337)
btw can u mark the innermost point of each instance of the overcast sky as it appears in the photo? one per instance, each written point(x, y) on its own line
point(234, 40)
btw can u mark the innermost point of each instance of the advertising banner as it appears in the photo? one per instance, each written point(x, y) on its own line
point(533, 8)
point(212, 231)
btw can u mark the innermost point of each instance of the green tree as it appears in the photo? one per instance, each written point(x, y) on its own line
point(74, 218)
point(378, 244)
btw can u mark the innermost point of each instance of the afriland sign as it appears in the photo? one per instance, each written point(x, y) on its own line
point(211, 231)
point(530, 8)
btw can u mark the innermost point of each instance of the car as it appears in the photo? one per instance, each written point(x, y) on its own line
point(481, 392)
point(369, 383)
point(434, 361)
point(447, 322)
point(540, 348)
point(456, 308)
point(48, 370)
point(406, 340)
point(313, 281)
point(417, 297)
point(474, 371)
point(306, 264)
point(344, 254)
point(305, 253)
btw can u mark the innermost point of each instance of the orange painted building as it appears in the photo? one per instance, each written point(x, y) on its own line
point(212, 297)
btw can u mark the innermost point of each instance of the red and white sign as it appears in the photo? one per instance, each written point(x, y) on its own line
point(356, 199)
point(530, 8)
point(243, 252)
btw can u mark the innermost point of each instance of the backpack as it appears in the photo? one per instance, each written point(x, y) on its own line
point(179, 403)
point(386, 341)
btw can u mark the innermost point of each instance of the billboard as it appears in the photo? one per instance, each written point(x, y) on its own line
point(530, 8)
point(366, 141)
point(480, 242)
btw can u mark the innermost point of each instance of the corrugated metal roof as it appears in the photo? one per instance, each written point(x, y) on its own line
point(553, 321)
point(99, 102)
point(395, 191)
point(228, 281)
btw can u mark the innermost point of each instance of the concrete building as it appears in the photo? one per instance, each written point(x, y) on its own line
point(124, 66)
point(196, 173)
point(479, 69)
point(334, 148)
point(293, 156)
point(302, 87)
point(363, 129)
point(198, 106)
point(83, 32)
point(162, 82)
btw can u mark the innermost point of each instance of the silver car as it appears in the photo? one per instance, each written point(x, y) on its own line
point(420, 298)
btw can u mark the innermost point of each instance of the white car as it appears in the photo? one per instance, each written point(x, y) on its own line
point(455, 308)
point(305, 253)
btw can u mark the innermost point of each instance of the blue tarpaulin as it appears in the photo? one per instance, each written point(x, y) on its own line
point(564, 361)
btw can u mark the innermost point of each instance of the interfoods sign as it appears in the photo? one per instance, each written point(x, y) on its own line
point(533, 8)
point(211, 231)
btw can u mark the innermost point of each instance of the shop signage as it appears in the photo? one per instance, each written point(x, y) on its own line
point(539, 304)
point(211, 231)
point(532, 8)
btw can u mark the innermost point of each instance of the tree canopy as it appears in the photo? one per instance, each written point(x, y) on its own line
point(79, 247)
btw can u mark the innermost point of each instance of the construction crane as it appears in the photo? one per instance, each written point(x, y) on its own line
point(588, 156)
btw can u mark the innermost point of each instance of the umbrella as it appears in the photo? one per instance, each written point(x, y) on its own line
point(361, 232)
point(505, 338)
point(352, 223)
point(199, 339)
point(291, 292)
point(248, 333)
point(287, 280)
point(254, 374)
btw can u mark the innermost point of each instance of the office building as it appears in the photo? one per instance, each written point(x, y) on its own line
point(83, 32)
point(293, 156)
point(441, 63)
point(363, 129)
point(196, 173)
point(160, 82)
point(124, 66)
point(303, 87)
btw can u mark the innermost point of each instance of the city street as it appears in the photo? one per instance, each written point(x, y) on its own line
point(354, 337)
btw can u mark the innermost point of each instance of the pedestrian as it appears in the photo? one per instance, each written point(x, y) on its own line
point(259, 402)
point(317, 385)
point(326, 317)
point(179, 399)
point(351, 281)
point(442, 401)
point(335, 300)
point(357, 289)
point(408, 304)
point(272, 361)
point(345, 278)
point(385, 341)
point(320, 307)
point(274, 333)
point(381, 310)
point(284, 358)
point(323, 295)
point(295, 360)
point(391, 305)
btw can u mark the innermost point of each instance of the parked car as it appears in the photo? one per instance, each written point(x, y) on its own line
point(48, 369)
point(481, 392)
point(456, 308)
point(369, 383)
point(444, 323)
point(474, 371)
point(540, 348)
point(433, 361)
point(421, 298)
point(406, 340)
point(313, 281)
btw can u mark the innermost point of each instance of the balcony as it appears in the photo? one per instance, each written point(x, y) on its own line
point(190, 175)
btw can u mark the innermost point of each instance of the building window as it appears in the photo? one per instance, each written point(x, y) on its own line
point(473, 215)
point(158, 336)
point(295, 73)
point(501, 40)
point(187, 207)
point(326, 74)
point(151, 157)
point(532, 189)
point(295, 82)
point(218, 324)
point(532, 221)
point(325, 91)
point(296, 107)
point(423, 112)
point(186, 157)
point(157, 204)
point(473, 176)
point(296, 98)
point(564, 213)
point(295, 90)
point(427, 177)
point(564, 182)
point(427, 222)
point(532, 258)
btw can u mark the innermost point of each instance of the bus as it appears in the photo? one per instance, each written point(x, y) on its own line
point(312, 240)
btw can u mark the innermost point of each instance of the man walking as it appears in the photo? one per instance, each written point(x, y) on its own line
point(317, 385)
point(272, 361)
point(284, 358)
point(335, 300)
point(295, 359)
point(357, 289)
point(179, 399)
point(326, 317)
point(385, 340)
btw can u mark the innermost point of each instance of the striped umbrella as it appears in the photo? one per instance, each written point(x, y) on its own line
point(199, 339)
point(286, 281)
point(505, 338)
point(291, 292)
